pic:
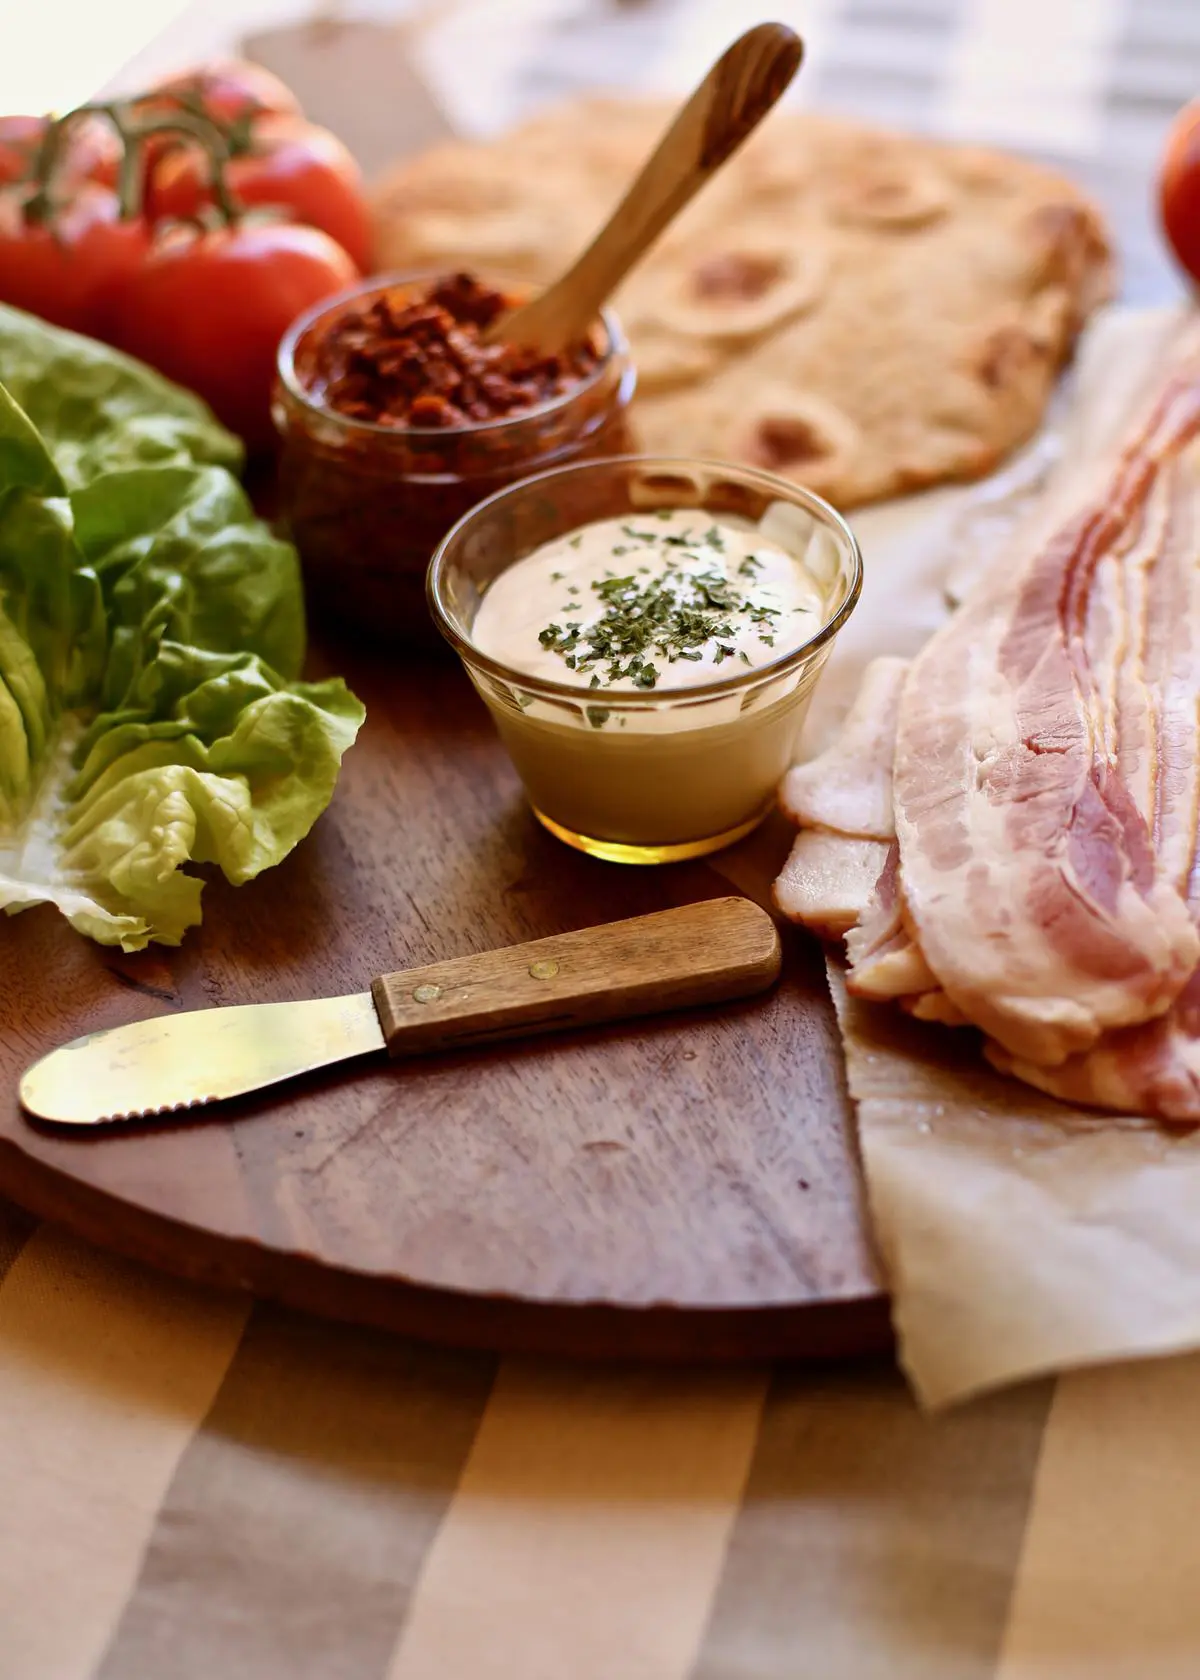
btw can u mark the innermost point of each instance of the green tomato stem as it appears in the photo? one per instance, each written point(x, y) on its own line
point(209, 136)
point(132, 132)
point(40, 206)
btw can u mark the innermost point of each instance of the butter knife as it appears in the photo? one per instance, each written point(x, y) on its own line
point(699, 953)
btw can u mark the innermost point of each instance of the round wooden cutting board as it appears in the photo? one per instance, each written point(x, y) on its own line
point(679, 1187)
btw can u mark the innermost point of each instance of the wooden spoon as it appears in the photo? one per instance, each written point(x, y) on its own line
point(725, 109)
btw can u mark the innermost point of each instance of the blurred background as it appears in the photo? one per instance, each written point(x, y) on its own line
point(1089, 85)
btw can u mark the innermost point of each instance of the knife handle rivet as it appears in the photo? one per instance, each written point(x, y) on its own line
point(544, 970)
point(427, 994)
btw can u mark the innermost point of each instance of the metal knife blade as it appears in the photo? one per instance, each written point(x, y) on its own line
point(176, 1062)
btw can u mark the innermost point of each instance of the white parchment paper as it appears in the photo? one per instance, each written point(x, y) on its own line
point(1019, 1236)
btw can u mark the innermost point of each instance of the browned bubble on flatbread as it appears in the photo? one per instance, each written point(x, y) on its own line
point(867, 313)
point(885, 188)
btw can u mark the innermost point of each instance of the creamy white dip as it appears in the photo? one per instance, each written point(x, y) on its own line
point(649, 602)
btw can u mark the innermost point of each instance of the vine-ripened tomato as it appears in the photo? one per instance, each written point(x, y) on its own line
point(209, 309)
point(92, 150)
point(233, 95)
point(20, 138)
point(71, 269)
point(294, 164)
point(1179, 188)
point(228, 90)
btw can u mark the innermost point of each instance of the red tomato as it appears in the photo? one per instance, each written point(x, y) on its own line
point(1179, 188)
point(19, 140)
point(69, 270)
point(93, 152)
point(228, 90)
point(294, 164)
point(209, 309)
point(230, 93)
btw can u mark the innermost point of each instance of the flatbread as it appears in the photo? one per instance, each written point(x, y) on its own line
point(868, 313)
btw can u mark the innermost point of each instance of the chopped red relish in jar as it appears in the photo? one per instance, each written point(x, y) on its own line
point(417, 358)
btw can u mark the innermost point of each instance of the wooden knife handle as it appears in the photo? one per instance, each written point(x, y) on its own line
point(699, 953)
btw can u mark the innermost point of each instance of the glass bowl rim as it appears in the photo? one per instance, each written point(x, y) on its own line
point(822, 510)
point(285, 364)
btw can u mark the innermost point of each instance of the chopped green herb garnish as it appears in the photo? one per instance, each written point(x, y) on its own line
point(575, 541)
point(598, 716)
point(556, 577)
point(649, 617)
point(663, 513)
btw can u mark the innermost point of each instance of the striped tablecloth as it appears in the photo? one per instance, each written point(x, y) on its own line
point(192, 1487)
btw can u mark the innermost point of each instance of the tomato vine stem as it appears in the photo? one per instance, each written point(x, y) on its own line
point(132, 131)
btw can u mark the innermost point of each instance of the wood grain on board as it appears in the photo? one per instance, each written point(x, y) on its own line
point(681, 1186)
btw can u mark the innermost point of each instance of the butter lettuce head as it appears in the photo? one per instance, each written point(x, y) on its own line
point(151, 640)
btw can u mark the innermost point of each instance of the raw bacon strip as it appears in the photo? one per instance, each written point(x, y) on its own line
point(1029, 877)
point(848, 787)
point(884, 960)
point(844, 882)
point(1154, 1068)
point(934, 1006)
point(890, 971)
point(1172, 675)
point(828, 880)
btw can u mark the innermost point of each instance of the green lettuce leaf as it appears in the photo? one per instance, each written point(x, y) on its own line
point(151, 639)
point(99, 411)
point(180, 556)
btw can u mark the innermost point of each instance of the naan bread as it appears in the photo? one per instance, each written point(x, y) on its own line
point(866, 312)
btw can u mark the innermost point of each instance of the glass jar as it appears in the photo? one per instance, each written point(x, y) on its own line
point(366, 505)
point(631, 775)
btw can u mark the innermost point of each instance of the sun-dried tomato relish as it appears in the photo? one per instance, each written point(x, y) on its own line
point(402, 360)
point(367, 496)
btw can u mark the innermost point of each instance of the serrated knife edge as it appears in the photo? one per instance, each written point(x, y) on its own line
point(167, 1064)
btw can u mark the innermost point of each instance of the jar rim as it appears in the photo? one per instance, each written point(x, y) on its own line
point(796, 494)
point(616, 346)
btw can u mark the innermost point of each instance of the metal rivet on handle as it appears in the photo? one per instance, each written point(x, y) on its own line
point(427, 994)
point(544, 970)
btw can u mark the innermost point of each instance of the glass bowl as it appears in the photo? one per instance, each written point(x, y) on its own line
point(366, 504)
point(629, 775)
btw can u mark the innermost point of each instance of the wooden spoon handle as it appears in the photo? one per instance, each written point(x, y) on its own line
point(730, 102)
point(738, 92)
point(700, 953)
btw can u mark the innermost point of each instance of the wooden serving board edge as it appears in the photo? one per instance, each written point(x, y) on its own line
point(831, 1329)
